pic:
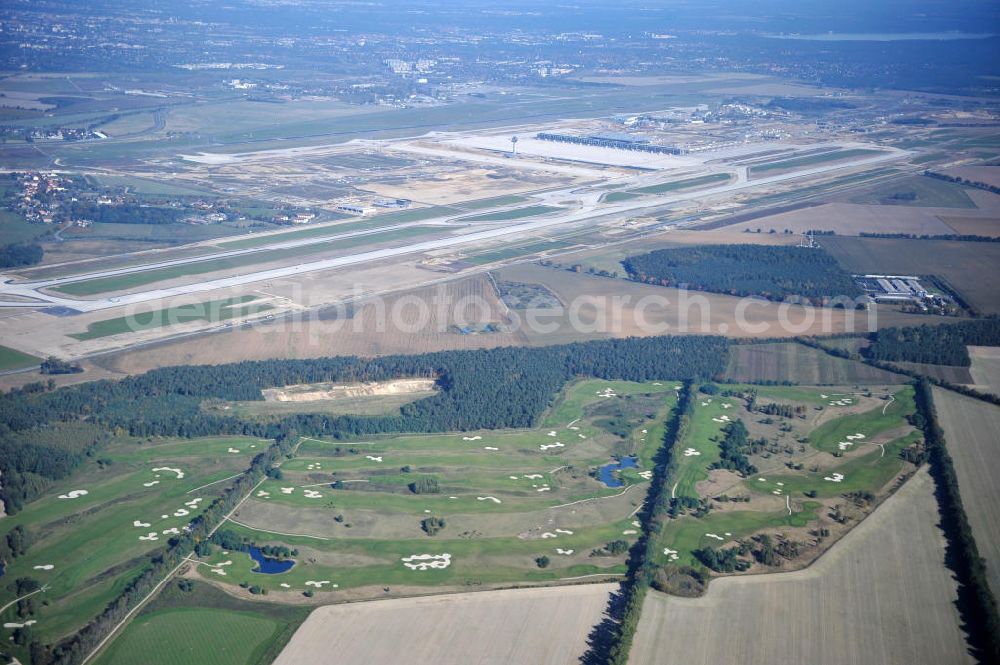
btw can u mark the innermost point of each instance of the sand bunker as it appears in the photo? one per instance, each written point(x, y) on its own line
point(566, 531)
point(629, 532)
point(713, 535)
point(646, 475)
point(151, 483)
point(314, 466)
point(562, 551)
point(317, 583)
point(543, 489)
point(489, 498)
point(182, 512)
point(671, 554)
point(172, 531)
point(285, 585)
point(12, 624)
point(472, 438)
point(835, 477)
point(44, 566)
point(490, 448)
point(690, 452)
point(607, 392)
point(549, 534)
point(312, 494)
point(73, 494)
point(427, 561)
point(287, 490)
point(547, 446)
point(232, 450)
point(218, 571)
point(180, 474)
point(374, 458)
point(140, 523)
point(151, 536)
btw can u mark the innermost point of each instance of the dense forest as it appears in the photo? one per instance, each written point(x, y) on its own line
point(481, 389)
point(17, 255)
point(775, 273)
point(936, 345)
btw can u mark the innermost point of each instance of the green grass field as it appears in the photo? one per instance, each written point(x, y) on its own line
point(182, 636)
point(495, 202)
point(919, 191)
point(253, 633)
point(89, 287)
point(507, 215)
point(868, 472)
point(14, 228)
point(809, 160)
point(14, 359)
point(676, 185)
point(212, 311)
point(517, 251)
point(686, 534)
point(880, 419)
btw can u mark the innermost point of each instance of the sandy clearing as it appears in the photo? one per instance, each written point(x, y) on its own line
point(970, 430)
point(325, 391)
point(986, 367)
point(881, 595)
point(545, 626)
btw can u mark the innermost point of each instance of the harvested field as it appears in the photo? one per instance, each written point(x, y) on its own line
point(917, 191)
point(542, 626)
point(968, 267)
point(970, 430)
point(949, 373)
point(853, 219)
point(880, 595)
point(985, 174)
point(985, 367)
point(973, 226)
point(800, 364)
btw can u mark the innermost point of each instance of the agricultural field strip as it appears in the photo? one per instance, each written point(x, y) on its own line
point(30, 290)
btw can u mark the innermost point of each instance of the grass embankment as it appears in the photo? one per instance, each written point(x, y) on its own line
point(676, 185)
point(506, 215)
point(14, 359)
point(810, 160)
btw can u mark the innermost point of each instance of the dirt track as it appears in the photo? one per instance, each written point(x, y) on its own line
point(546, 626)
point(880, 596)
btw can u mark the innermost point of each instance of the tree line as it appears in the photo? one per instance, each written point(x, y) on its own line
point(775, 273)
point(936, 345)
point(976, 601)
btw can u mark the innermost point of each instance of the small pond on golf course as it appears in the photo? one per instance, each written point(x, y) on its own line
point(267, 565)
point(607, 473)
